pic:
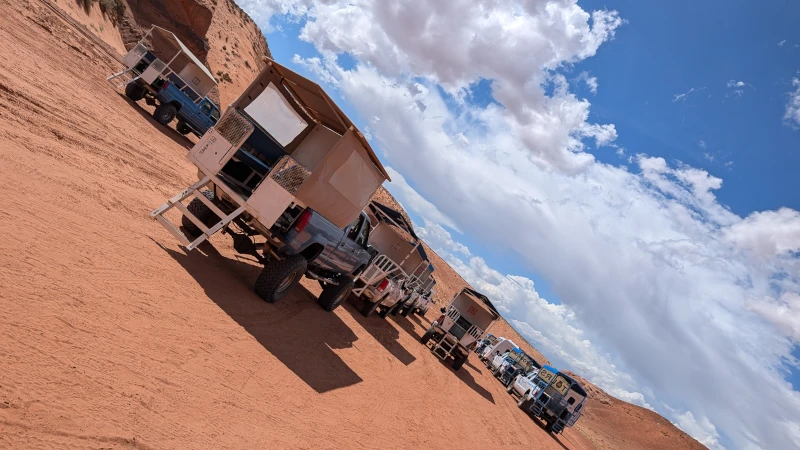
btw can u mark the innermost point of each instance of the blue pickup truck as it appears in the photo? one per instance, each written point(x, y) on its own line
point(302, 242)
point(174, 99)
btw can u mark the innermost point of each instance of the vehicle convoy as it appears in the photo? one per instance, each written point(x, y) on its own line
point(287, 175)
point(488, 341)
point(463, 322)
point(423, 286)
point(555, 398)
point(397, 267)
point(500, 346)
point(515, 363)
point(161, 70)
point(425, 302)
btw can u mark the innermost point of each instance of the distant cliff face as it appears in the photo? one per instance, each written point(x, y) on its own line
point(218, 32)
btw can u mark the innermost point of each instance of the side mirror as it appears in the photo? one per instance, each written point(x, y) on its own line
point(442, 310)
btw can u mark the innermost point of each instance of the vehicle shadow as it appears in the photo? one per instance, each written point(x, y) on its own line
point(465, 376)
point(380, 329)
point(408, 326)
point(170, 132)
point(295, 330)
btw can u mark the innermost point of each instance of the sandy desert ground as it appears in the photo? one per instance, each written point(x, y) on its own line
point(111, 336)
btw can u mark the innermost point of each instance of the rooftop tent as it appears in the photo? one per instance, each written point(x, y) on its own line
point(485, 300)
point(306, 124)
point(169, 49)
point(398, 218)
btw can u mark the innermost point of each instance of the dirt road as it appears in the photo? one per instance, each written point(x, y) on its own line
point(111, 336)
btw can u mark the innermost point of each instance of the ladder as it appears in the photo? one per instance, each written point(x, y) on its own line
point(176, 202)
point(121, 74)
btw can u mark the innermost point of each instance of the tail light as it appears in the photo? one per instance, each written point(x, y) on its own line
point(384, 284)
point(473, 345)
point(302, 221)
point(440, 320)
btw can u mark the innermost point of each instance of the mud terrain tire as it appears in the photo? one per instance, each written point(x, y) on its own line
point(333, 294)
point(427, 336)
point(460, 362)
point(134, 92)
point(279, 277)
point(165, 113)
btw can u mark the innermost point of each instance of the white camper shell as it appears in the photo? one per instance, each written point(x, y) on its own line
point(299, 149)
point(466, 320)
point(400, 264)
point(501, 346)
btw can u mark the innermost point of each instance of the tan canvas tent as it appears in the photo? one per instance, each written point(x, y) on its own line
point(169, 49)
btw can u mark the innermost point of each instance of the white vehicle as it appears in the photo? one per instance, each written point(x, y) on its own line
point(466, 319)
point(500, 361)
point(523, 385)
point(425, 302)
point(395, 271)
point(501, 346)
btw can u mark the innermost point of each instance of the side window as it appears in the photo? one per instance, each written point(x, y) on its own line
point(363, 236)
point(353, 231)
point(206, 107)
point(215, 115)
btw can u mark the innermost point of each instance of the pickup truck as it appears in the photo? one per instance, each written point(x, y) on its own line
point(175, 101)
point(302, 242)
point(522, 385)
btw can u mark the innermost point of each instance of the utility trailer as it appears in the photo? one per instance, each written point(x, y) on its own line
point(161, 70)
point(465, 321)
point(287, 174)
point(400, 261)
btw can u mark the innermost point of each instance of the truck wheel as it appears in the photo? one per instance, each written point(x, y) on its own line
point(201, 211)
point(279, 277)
point(396, 309)
point(164, 113)
point(460, 361)
point(550, 426)
point(183, 128)
point(511, 385)
point(369, 308)
point(406, 312)
point(427, 336)
point(524, 402)
point(333, 294)
point(386, 311)
point(134, 92)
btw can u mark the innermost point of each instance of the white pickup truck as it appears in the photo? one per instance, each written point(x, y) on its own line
point(523, 385)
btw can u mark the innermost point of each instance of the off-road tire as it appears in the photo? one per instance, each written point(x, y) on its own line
point(460, 361)
point(406, 311)
point(183, 128)
point(524, 402)
point(427, 336)
point(202, 212)
point(165, 113)
point(549, 427)
point(383, 314)
point(369, 308)
point(271, 284)
point(334, 294)
point(396, 309)
point(134, 92)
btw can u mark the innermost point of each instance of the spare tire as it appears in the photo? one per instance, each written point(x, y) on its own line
point(134, 92)
point(202, 212)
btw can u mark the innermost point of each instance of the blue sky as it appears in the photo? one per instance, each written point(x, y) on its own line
point(618, 176)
